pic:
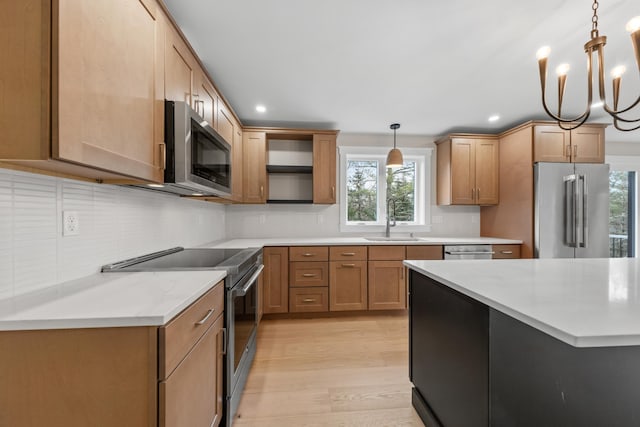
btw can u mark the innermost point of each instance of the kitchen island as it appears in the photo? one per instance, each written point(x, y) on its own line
point(553, 342)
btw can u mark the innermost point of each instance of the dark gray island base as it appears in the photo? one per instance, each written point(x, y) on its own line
point(472, 365)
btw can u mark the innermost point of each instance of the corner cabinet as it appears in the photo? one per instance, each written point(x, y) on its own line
point(582, 145)
point(467, 170)
point(65, 75)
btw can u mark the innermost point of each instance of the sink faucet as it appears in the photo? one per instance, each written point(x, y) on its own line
point(387, 231)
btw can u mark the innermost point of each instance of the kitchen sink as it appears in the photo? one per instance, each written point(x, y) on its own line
point(392, 239)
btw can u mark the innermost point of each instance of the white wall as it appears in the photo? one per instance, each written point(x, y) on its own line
point(115, 223)
point(318, 220)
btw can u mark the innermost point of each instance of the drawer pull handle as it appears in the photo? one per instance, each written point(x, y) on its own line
point(349, 265)
point(308, 254)
point(309, 275)
point(348, 254)
point(309, 300)
point(506, 252)
point(206, 317)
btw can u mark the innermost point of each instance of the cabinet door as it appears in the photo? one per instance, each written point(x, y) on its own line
point(487, 168)
point(192, 395)
point(106, 110)
point(324, 169)
point(387, 285)
point(225, 123)
point(254, 167)
point(551, 144)
point(347, 285)
point(206, 99)
point(179, 69)
point(236, 165)
point(276, 280)
point(587, 145)
point(463, 171)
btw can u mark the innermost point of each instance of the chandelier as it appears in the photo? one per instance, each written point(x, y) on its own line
point(594, 46)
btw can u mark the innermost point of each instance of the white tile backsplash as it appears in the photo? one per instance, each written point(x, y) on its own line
point(115, 223)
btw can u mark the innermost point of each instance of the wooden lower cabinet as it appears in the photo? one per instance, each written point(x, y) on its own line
point(192, 395)
point(276, 280)
point(506, 251)
point(347, 285)
point(387, 285)
point(308, 299)
point(113, 377)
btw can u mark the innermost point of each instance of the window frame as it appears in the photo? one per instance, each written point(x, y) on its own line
point(628, 163)
point(422, 157)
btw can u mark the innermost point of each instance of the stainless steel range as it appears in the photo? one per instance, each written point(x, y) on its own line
point(243, 266)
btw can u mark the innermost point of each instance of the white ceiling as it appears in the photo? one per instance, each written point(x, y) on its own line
point(433, 66)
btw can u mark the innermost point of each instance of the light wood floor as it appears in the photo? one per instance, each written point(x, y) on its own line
point(349, 371)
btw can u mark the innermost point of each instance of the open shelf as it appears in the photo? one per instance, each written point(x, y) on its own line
point(289, 169)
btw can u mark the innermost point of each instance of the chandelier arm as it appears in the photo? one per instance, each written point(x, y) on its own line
point(615, 113)
point(601, 89)
point(615, 124)
point(580, 123)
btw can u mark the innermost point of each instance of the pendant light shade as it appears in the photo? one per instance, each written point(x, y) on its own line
point(394, 158)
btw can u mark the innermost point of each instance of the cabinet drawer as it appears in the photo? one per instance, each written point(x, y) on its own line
point(308, 274)
point(178, 336)
point(308, 253)
point(425, 252)
point(308, 300)
point(506, 251)
point(348, 253)
point(386, 253)
point(188, 396)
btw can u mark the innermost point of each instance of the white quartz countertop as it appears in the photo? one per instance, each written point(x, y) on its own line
point(108, 300)
point(326, 241)
point(583, 302)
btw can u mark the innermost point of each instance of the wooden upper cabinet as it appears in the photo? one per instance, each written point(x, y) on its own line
point(237, 166)
point(324, 169)
point(254, 167)
point(467, 170)
point(180, 66)
point(225, 123)
point(84, 76)
point(587, 144)
point(582, 145)
point(206, 99)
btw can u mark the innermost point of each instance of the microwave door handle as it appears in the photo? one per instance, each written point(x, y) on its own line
point(250, 282)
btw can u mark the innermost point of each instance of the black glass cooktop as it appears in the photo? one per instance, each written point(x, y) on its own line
point(178, 259)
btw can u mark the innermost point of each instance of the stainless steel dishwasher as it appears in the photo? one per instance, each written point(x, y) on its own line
point(468, 252)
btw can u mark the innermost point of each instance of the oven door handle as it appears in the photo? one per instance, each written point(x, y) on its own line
point(254, 277)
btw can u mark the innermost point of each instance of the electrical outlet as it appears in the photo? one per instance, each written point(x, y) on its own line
point(70, 223)
point(262, 219)
point(436, 219)
point(320, 219)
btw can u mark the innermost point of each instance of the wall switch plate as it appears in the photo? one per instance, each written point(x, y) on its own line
point(70, 223)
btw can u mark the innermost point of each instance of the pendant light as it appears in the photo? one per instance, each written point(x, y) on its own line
point(394, 158)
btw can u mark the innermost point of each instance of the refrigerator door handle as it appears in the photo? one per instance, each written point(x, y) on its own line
point(570, 214)
point(585, 212)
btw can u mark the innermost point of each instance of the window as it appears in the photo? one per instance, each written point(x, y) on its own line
point(368, 187)
point(623, 213)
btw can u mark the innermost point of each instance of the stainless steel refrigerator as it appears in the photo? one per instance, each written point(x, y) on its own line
point(571, 208)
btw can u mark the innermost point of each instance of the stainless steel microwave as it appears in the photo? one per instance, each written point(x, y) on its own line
point(198, 159)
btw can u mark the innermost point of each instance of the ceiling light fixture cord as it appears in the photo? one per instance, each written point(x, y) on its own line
point(594, 46)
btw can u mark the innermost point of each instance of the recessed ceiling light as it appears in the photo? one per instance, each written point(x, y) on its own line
point(597, 104)
point(155, 185)
point(494, 118)
point(197, 194)
point(261, 109)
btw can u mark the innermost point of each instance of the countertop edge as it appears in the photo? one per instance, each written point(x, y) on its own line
point(588, 341)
